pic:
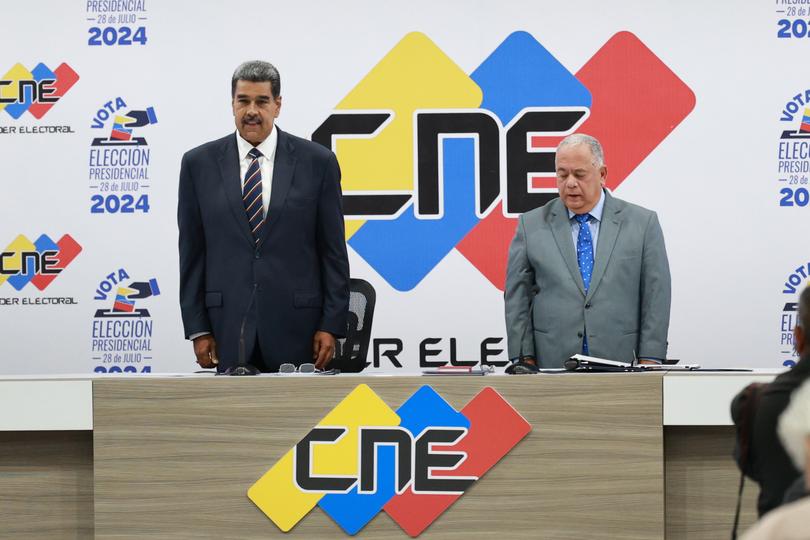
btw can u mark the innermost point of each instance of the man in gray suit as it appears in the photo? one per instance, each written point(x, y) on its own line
point(587, 273)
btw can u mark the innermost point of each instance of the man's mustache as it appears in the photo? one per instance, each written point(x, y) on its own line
point(252, 120)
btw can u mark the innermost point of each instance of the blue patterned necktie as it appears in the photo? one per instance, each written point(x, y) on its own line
point(584, 260)
point(252, 194)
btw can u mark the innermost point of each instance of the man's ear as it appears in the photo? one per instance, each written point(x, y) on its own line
point(603, 174)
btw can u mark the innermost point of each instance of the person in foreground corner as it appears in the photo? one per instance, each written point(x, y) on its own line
point(791, 521)
point(261, 238)
point(587, 272)
point(771, 466)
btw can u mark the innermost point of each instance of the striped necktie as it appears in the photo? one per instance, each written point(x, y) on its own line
point(252, 194)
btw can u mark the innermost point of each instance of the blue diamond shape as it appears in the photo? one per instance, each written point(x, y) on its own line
point(352, 511)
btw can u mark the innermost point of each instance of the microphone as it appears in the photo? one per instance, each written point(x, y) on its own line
point(242, 367)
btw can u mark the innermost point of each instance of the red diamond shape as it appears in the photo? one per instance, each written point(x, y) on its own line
point(637, 102)
point(68, 249)
point(65, 79)
point(495, 428)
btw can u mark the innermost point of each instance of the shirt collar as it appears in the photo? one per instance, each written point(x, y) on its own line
point(596, 211)
point(267, 147)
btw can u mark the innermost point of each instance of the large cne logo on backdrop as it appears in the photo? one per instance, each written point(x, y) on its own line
point(412, 463)
point(435, 159)
point(34, 91)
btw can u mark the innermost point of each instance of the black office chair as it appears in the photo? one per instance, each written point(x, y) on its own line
point(351, 353)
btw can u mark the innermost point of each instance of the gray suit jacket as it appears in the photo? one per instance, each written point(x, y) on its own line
point(626, 309)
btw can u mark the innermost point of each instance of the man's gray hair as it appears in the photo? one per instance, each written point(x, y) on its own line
point(580, 138)
point(794, 425)
point(257, 71)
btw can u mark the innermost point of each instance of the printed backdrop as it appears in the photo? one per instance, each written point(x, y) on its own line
point(444, 117)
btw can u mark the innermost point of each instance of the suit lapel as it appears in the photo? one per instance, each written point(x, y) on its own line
point(283, 169)
point(608, 233)
point(232, 183)
point(561, 228)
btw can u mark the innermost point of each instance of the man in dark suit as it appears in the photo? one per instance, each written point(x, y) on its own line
point(770, 465)
point(587, 272)
point(261, 238)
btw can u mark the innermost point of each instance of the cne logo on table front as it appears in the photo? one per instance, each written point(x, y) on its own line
point(412, 463)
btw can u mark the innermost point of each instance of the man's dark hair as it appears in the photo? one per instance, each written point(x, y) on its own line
point(257, 71)
point(803, 316)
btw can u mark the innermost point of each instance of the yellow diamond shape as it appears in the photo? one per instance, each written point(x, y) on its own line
point(14, 261)
point(415, 74)
point(15, 74)
point(276, 493)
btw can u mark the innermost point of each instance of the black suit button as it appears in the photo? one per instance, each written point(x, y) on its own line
point(579, 334)
point(256, 255)
point(588, 305)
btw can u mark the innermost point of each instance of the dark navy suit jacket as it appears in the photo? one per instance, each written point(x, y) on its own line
point(299, 269)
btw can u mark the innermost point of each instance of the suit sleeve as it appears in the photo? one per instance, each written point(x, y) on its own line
point(518, 295)
point(656, 294)
point(334, 260)
point(191, 246)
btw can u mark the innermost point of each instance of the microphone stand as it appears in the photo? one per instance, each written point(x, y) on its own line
point(242, 368)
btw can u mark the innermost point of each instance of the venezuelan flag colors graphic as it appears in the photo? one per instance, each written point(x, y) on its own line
point(373, 477)
point(35, 91)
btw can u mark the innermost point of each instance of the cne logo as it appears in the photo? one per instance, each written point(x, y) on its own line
point(436, 159)
point(412, 463)
point(35, 91)
point(38, 262)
